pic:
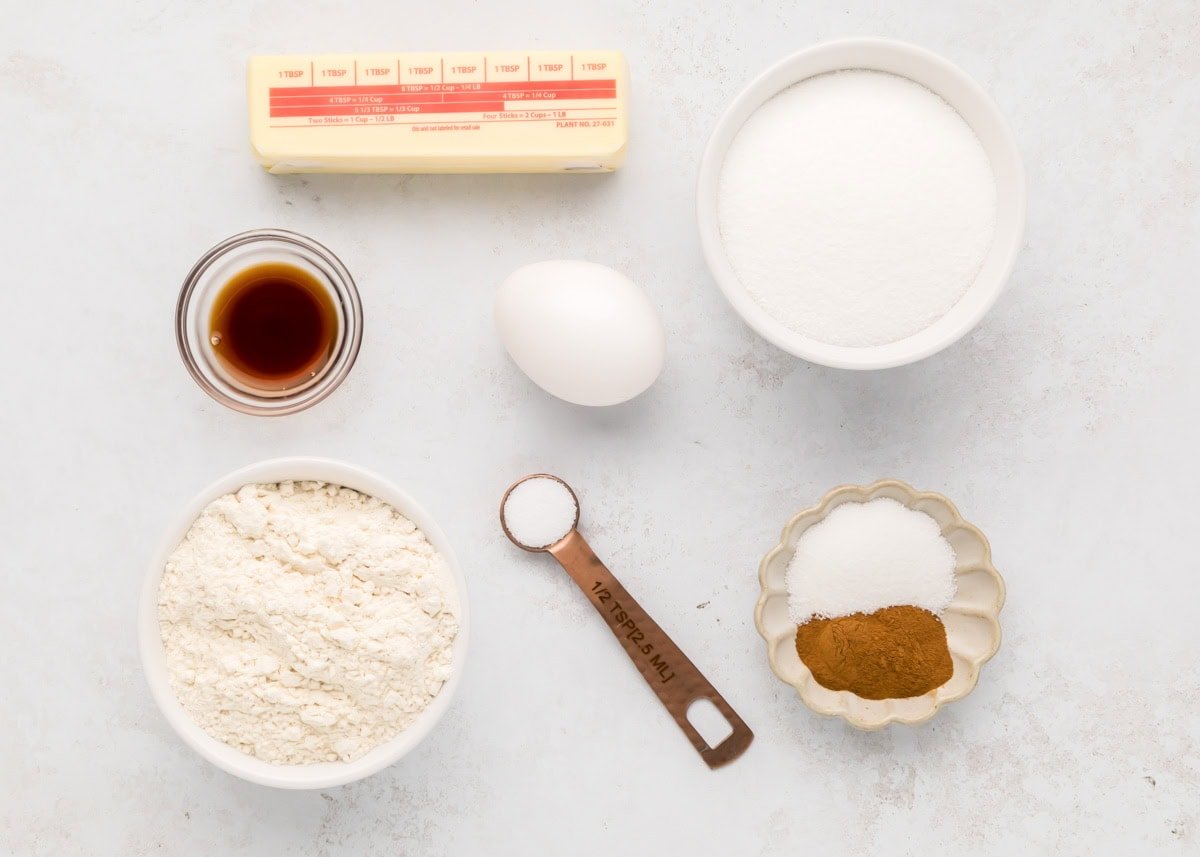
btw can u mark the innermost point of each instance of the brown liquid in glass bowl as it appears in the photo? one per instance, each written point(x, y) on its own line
point(273, 326)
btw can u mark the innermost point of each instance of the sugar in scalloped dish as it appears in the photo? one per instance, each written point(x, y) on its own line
point(867, 587)
point(867, 556)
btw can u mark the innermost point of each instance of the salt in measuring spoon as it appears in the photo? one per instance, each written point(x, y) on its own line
point(540, 514)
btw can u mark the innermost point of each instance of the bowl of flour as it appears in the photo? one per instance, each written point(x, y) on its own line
point(303, 624)
point(861, 203)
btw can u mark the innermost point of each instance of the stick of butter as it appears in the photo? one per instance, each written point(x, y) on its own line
point(530, 112)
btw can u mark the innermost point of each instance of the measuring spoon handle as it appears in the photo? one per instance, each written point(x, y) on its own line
point(671, 675)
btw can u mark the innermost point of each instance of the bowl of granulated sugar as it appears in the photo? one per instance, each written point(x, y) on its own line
point(861, 203)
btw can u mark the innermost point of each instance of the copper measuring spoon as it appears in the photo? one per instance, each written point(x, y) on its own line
point(671, 675)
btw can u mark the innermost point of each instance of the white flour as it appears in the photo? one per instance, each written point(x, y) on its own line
point(305, 622)
point(856, 207)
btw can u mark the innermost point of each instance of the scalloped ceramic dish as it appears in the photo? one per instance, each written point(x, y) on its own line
point(972, 620)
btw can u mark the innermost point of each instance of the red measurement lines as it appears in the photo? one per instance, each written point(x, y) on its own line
point(431, 97)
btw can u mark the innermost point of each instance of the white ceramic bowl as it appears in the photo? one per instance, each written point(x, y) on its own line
point(972, 619)
point(324, 774)
point(973, 104)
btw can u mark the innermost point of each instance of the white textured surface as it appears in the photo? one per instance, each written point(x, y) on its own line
point(857, 207)
point(866, 556)
point(1064, 427)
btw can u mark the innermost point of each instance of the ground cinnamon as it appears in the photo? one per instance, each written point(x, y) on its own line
point(893, 653)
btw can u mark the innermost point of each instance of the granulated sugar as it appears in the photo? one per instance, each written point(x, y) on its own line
point(539, 512)
point(856, 207)
point(866, 556)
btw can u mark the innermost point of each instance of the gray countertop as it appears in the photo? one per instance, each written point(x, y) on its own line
point(1064, 427)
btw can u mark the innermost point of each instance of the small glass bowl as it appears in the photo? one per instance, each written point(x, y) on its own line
point(205, 281)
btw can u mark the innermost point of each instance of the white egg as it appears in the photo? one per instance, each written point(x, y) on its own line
point(580, 331)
